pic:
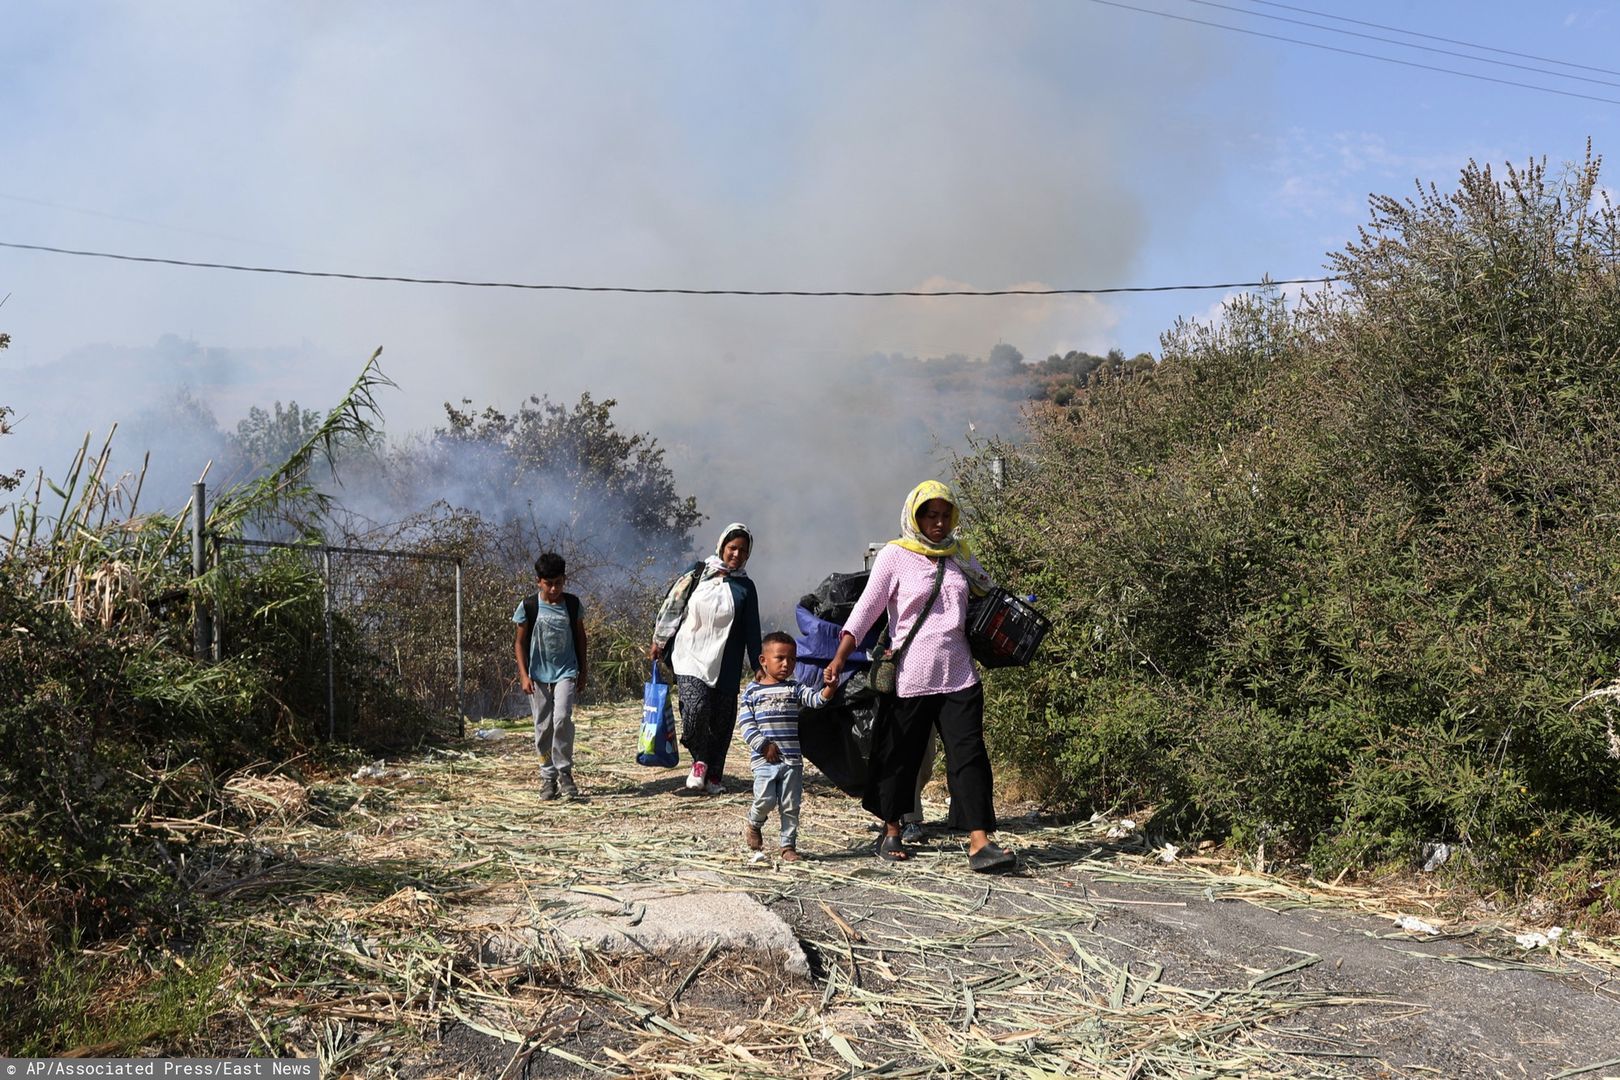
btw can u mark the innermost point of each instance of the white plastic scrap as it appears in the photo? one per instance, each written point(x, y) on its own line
point(1414, 925)
point(1435, 856)
point(1168, 853)
point(1124, 827)
point(1538, 939)
point(379, 770)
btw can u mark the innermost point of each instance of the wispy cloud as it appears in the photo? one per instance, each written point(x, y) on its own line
point(1330, 176)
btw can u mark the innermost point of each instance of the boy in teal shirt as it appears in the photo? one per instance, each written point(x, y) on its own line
point(550, 651)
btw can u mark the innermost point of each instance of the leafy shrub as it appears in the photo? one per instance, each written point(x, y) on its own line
point(1334, 575)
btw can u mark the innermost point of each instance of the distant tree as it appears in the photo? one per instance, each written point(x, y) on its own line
point(1004, 359)
point(574, 469)
point(266, 439)
point(1084, 365)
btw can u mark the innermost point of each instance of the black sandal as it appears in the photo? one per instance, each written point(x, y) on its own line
point(991, 857)
point(891, 849)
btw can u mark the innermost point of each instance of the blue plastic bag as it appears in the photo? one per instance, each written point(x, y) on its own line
point(656, 745)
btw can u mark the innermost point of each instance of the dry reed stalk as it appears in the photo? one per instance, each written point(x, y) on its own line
point(274, 796)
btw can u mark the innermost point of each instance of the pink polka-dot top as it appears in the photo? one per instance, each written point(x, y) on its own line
point(937, 661)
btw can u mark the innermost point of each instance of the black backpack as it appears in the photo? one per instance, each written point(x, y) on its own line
point(531, 612)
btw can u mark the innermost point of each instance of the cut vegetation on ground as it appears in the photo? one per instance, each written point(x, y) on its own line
point(440, 920)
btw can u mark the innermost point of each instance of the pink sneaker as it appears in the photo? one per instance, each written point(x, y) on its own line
point(695, 781)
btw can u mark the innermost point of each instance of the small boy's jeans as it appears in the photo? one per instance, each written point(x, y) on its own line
point(779, 787)
point(553, 708)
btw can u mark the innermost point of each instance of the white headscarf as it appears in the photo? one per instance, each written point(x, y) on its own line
point(713, 565)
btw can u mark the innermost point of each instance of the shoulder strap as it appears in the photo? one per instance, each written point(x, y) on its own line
point(939, 577)
point(531, 609)
point(695, 579)
point(576, 627)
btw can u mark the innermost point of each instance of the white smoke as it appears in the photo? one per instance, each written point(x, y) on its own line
point(908, 145)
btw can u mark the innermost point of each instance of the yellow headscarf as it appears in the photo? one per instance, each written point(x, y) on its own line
point(912, 539)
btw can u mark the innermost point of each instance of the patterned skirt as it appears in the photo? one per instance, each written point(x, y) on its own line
point(708, 720)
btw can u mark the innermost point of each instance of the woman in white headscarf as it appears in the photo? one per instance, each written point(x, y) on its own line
point(708, 624)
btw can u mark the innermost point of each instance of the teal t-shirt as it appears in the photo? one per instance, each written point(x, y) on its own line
point(551, 647)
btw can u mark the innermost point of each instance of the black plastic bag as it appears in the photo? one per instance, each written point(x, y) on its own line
point(835, 597)
point(837, 739)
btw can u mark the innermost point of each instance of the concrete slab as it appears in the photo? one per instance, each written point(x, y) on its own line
point(683, 916)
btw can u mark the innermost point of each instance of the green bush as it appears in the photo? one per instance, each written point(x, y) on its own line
point(102, 735)
point(1333, 574)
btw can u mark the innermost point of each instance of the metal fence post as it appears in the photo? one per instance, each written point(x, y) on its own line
point(217, 644)
point(202, 631)
point(331, 673)
point(461, 707)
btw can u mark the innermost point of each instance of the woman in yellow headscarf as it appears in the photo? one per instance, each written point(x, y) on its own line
point(922, 579)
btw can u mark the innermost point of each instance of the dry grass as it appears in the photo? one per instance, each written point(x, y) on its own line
point(364, 939)
point(278, 798)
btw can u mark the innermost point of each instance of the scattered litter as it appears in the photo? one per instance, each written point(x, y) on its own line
point(1434, 855)
point(1414, 925)
point(1168, 853)
point(489, 733)
point(1539, 939)
point(379, 770)
point(1124, 827)
point(756, 857)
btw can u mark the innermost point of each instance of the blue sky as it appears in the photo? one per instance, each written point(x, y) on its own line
point(832, 145)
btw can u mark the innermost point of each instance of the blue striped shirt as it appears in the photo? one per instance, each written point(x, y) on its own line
point(769, 712)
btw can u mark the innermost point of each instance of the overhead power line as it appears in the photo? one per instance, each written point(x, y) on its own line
point(1355, 52)
point(1437, 37)
point(470, 284)
point(1406, 44)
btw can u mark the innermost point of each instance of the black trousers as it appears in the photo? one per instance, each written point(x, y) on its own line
point(901, 735)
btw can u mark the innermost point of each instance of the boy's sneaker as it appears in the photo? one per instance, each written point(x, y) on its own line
point(548, 788)
point(913, 832)
point(714, 789)
point(566, 786)
point(695, 780)
point(752, 835)
point(789, 855)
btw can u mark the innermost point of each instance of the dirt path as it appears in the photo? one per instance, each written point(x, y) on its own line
point(367, 938)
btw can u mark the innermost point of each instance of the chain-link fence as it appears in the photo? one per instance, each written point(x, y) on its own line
point(389, 626)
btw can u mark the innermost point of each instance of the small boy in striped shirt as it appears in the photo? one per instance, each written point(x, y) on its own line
point(768, 717)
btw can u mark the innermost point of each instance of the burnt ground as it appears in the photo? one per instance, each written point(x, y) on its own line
point(1093, 958)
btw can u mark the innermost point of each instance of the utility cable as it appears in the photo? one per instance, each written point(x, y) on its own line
point(1406, 44)
point(655, 290)
point(1354, 52)
point(1437, 37)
